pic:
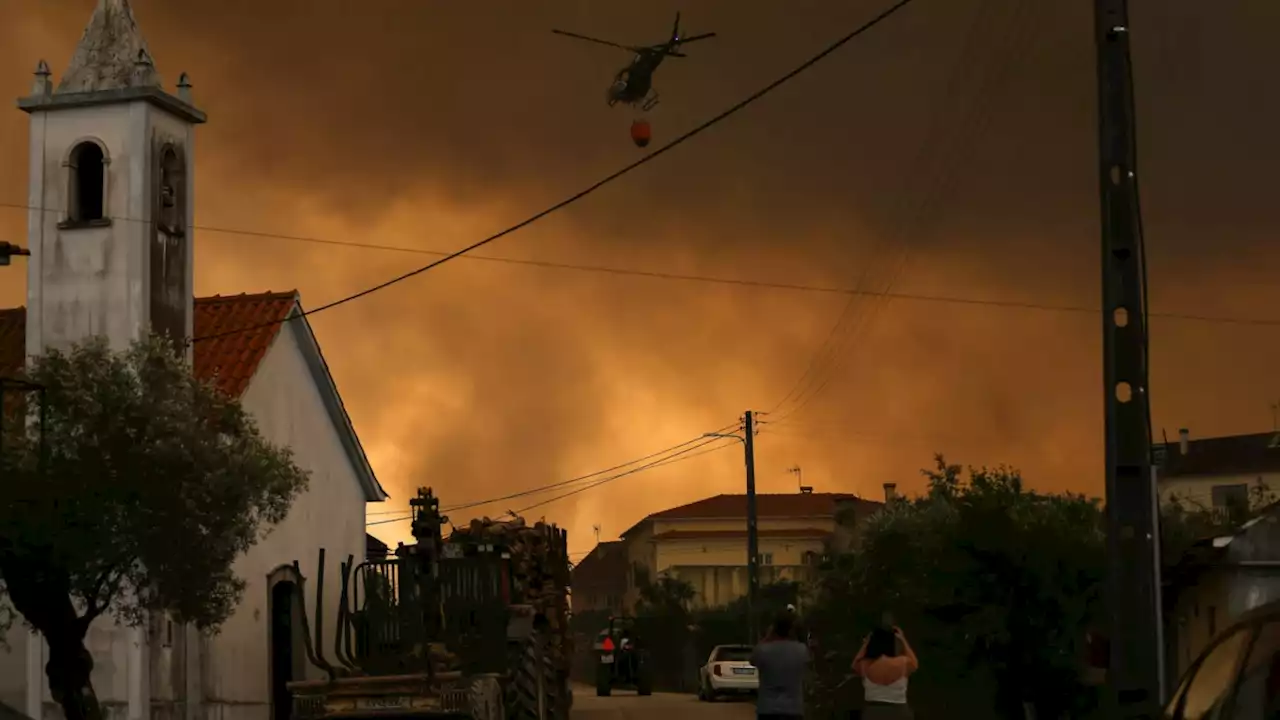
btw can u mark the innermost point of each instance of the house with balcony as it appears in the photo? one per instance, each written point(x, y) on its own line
point(704, 543)
point(1225, 475)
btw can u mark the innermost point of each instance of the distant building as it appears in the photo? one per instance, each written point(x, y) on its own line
point(375, 549)
point(600, 579)
point(705, 543)
point(1218, 474)
point(1220, 579)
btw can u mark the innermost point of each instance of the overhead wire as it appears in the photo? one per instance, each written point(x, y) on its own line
point(756, 284)
point(975, 122)
point(657, 457)
point(826, 351)
point(688, 454)
point(679, 140)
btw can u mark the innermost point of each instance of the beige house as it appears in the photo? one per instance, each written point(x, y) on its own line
point(705, 543)
point(1218, 473)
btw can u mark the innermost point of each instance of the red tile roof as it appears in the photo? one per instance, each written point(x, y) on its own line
point(781, 505)
point(229, 361)
point(767, 505)
point(1227, 455)
point(797, 533)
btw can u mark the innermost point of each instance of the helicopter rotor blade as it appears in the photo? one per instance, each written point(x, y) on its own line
point(703, 36)
point(594, 40)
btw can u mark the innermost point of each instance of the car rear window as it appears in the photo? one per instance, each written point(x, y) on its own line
point(734, 654)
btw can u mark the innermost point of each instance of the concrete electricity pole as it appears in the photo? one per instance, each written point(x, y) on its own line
point(753, 539)
point(753, 536)
point(1135, 674)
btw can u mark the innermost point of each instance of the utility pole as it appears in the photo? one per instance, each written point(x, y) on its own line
point(1135, 675)
point(753, 537)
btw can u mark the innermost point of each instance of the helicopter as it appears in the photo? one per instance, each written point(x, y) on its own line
point(633, 85)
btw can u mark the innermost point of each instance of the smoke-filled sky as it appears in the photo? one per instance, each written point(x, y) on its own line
point(947, 153)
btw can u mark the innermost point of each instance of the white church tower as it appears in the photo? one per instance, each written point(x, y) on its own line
point(109, 229)
point(111, 193)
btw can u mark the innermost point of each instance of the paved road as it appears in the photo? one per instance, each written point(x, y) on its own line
point(626, 705)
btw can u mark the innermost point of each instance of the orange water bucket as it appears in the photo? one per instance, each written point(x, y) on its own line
point(641, 133)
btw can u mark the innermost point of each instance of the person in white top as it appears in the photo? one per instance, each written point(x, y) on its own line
point(884, 674)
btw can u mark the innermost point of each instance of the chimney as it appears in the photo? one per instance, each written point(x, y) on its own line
point(1184, 440)
point(890, 492)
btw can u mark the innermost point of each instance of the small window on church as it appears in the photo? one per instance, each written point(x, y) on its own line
point(88, 173)
point(172, 188)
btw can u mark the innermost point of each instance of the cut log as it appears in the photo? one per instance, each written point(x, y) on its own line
point(539, 572)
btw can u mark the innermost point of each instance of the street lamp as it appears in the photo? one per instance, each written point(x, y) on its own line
point(8, 250)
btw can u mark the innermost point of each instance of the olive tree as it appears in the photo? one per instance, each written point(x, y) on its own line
point(128, 487)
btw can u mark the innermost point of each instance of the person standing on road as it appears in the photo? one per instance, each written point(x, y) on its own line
point(781, 663)
point(884, 674)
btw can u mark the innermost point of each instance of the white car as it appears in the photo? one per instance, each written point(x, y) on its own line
point(728, 671)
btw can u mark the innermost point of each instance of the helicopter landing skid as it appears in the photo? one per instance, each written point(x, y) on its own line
point(649, 103)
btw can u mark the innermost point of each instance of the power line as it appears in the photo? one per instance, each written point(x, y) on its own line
point(976, 120)
point(681, 456)
point(884, 15)
point(739, 282)
point(557, 485)
point(663, 454)
point(826, 352)
point(677, 457)
point(773, 285)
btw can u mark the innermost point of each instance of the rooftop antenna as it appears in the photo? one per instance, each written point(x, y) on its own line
point(596, 529)
point(804, 489)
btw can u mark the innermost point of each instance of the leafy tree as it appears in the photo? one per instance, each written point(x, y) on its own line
point(994, 584)
point(666, 596)
point(134, 496)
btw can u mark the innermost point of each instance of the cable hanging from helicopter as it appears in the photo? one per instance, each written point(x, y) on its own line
point(633, 85)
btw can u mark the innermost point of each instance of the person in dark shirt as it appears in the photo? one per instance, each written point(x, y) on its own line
point(781, 663)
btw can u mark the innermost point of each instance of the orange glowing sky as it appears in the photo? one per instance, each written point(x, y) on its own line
point(947, 153)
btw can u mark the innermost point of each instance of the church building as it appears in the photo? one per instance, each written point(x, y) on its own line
point(110, 231)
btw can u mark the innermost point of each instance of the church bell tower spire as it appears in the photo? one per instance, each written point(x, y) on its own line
point(111, 193)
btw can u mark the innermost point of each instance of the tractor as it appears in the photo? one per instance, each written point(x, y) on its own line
point(445, 628)
point(623, 661)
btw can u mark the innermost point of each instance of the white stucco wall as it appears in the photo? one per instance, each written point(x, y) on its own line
point(95, 280)
point(231, 670)
point(1198, 490)
point(80, 283)
point(331, 514)
point(13, 668)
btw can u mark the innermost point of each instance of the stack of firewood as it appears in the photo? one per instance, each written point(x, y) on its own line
point(539, 570)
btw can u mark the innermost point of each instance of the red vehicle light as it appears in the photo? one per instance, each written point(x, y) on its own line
point(607, 645)
point(715, 670)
